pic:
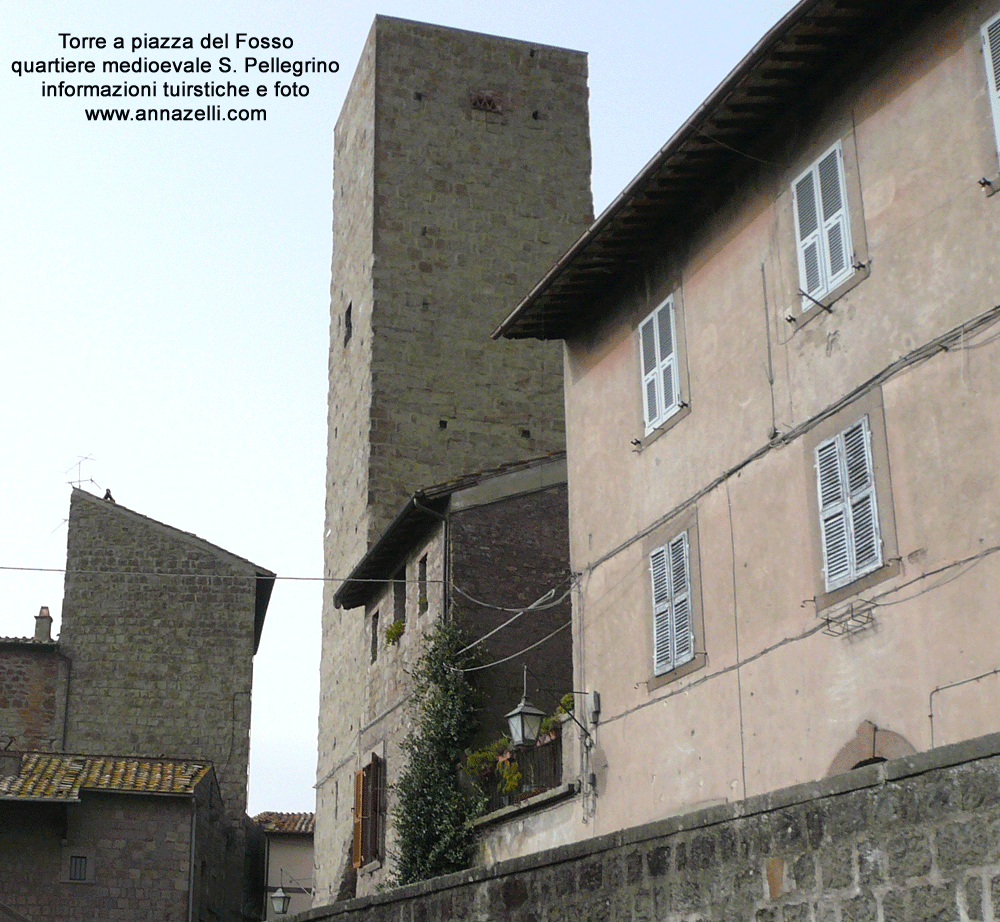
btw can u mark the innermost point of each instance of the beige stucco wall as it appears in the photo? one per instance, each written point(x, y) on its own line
point(777, 698)
point(290, 867)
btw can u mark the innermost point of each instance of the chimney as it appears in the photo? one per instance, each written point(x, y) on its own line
point(43, 624)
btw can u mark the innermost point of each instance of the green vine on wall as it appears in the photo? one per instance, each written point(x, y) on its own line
point(433, 809)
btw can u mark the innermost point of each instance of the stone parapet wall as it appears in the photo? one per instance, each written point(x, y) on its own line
point(903, 841)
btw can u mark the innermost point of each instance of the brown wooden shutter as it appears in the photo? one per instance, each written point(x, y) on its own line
point(359, 786)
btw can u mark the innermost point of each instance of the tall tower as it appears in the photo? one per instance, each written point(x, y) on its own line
point(461, 173)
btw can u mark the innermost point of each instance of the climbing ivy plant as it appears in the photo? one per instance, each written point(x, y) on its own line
point(433, 809)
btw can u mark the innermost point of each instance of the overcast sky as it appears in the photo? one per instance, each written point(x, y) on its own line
point(164, 288)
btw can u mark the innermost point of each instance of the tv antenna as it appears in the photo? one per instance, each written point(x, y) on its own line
point(79, 480)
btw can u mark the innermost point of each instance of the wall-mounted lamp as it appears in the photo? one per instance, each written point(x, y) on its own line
point(525, 720)
point(280, 901)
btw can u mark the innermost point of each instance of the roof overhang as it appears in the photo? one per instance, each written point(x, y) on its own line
point(704, 160)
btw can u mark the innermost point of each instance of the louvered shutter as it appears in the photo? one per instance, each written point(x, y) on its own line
point(658, 568)
point(808, 230)
point(668, 360)
point(650, 390)
point(836, 228)
point(822, 225)
point(680, 592)
point(867, 543)
point(848, 508)
point(673, 629)
point(359, 787)
point(373, 837)
point(991, 54)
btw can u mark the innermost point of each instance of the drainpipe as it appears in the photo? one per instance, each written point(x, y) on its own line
point(192, 858)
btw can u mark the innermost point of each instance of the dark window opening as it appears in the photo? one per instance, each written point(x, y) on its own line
point(874, 760)
point(374, 637)
point(77, 867)
point(348, 326)
point(399, 596)
point(422, 585)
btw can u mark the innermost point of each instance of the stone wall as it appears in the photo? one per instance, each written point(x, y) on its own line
point(159, 630)
point(461, 172)
point(904, 841)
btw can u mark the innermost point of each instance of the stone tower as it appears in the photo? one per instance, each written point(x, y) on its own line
point(461, 173)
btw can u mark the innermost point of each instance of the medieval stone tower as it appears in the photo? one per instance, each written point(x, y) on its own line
point(461, 173)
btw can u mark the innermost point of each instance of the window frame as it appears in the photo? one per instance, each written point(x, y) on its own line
point(673, 630)
point(870, 405)
point(369, 810)
point(824, 225)
point(654, 374)
point(848, 505)
point(683, 528)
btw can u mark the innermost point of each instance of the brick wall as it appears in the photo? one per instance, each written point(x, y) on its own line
point(507, 554)
point(910, 840)
point(159, 629)
point(32, 695)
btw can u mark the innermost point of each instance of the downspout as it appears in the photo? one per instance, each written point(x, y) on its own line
point(192, 858)
point(446, 564)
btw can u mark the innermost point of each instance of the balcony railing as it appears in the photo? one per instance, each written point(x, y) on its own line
point(541, 770)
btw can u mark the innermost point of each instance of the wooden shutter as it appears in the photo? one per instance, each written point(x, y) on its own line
point(666, 340)
point(374, 809)
point(662, 651)
point(848, 508)
point(991, 54)
point(357, 852)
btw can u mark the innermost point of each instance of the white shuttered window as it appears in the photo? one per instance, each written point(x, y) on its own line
point(822, 226)
point(848, 510)
point(658, 350)
point(673, 629)
point(991, 54)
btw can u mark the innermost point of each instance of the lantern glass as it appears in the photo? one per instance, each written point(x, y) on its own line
point(280, 901)
point(524, 723)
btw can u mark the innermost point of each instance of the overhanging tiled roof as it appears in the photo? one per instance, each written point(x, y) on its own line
point(705, 160)
point(286, 823)
point(58, 777)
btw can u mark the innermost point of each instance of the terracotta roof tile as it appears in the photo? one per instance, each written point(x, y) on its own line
point(46, 776)
point(301, 823)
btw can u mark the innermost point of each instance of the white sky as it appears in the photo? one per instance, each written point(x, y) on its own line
point(164, 288)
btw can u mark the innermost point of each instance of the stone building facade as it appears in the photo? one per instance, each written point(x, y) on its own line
point(472, 550)
point(461, 170)
point(160, 628)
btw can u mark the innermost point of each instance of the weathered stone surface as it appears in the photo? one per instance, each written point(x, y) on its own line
point(860, 871)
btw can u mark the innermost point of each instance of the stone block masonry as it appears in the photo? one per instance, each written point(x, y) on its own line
point(160, 629)
point(912, 840)
point(461, 173)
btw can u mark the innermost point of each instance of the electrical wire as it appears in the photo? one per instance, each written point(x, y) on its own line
point(534, 606)
point(507, 659)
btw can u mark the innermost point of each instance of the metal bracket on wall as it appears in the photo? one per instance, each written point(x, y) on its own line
point(857, 616)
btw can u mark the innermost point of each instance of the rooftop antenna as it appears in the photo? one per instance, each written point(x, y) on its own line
point(79, 480)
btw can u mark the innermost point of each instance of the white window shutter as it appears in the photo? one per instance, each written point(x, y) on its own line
point(848, 508)
point(808, 231)
point(662, 654)
point(658, 348)
point(864, 508)
point(680, 586)
point(822, 225)
point(650, 390)
point(991, 54)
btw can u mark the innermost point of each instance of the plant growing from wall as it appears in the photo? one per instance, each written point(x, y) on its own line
point(433, 809)
point(394, 631)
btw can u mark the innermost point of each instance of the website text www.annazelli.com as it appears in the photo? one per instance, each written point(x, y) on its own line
point(204, 114)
